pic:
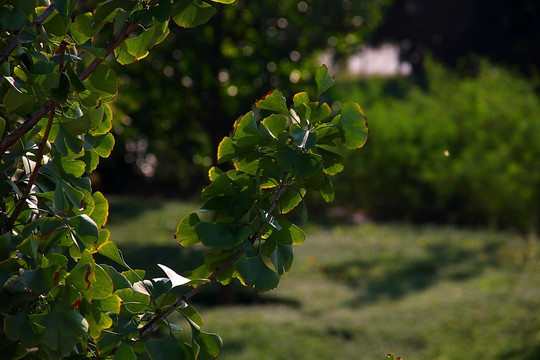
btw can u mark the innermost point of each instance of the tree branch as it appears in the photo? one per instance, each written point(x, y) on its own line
point(152, 324)
point(15, 41)
point(41, 151)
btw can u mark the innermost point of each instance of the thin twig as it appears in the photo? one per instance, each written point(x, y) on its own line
point(152, 324)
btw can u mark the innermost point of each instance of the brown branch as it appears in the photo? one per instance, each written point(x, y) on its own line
point(15, 41)
point(152, 324)
point(33, 176)
point(41, 151)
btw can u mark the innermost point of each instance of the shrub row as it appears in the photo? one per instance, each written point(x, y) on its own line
point(459, 149)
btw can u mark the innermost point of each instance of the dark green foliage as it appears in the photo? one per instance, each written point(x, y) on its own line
point(462, 150)
point(56, 300)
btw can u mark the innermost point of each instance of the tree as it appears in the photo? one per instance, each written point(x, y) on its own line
point(57, 86)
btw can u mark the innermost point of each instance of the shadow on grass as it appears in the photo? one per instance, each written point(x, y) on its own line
point(395, 277)
point(185, 259)
point(126, 209)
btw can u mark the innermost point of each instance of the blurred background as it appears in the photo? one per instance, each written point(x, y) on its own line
point(429, 250)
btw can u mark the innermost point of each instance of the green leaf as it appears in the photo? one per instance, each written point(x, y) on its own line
point(136, 48)
point(290, 199)
point(191, 314)
point(353, 125)
point(192, 13)
point(317, 113)
point(307, 165)
point(256, 274)
point(105, 124)
point(103, 144)
point(65, 8)
point(323, 79)
point(20, 328)
point(119, 280)
point(110, 250)
point(206, 346)
point(332, 162)
point(39, 281)
point(226, 150)
point(125, 352)
point(282, 258)
point(327, 190)
point(273, 101)
point(245, 131)
point(103, 285)
point(103, 80)
point(215, 235)
point(163, 349)
point(101, 209)
point(272, 126)
point(18, 103)
point(133, 301)
point(85, 229)
point(2, 126)
point(64, 329)
point(219, 187)
point(300, 98)
point(96, 318)
point(185, 231)
point(290, 234)
point(60, 92)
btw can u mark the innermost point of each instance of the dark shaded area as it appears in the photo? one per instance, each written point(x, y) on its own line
point(505, 31)
point(408, 275)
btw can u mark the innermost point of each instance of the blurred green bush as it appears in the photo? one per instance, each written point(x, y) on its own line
point(458, 149)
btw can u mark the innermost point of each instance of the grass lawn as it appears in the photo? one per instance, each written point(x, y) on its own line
point(360, 292)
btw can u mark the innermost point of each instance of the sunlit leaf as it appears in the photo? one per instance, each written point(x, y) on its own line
point(353, 124)
point(245, 131)
point(176, 279)
point(273, 101)
point(290, 199)
point(323, 79)
point(133, 301)
point(101, 209)
point(226, 150)
point(300, 98)
point(185, 231)
point(192, 13)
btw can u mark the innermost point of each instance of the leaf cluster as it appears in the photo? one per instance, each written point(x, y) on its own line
point(55, 121)
point(276, 160)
